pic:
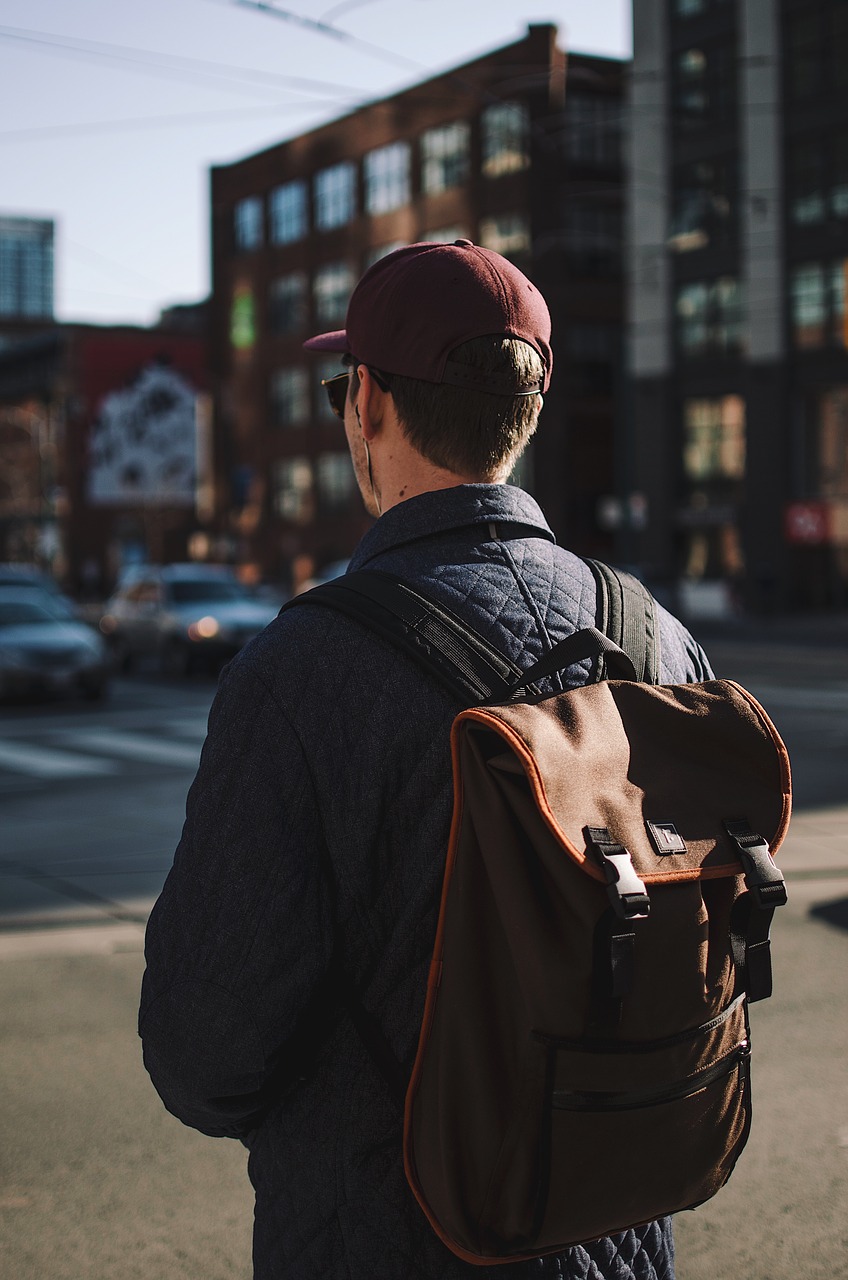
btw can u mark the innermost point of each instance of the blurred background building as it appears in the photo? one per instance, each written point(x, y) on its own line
point(737, 435)
point(697, 425)
point(495, 152)
point(26, 270)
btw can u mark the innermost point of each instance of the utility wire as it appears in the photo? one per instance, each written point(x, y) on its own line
point(129, 124)
point(171, 65)
point(333, 33)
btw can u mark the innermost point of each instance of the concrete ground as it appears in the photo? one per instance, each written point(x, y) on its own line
point(98, 1182)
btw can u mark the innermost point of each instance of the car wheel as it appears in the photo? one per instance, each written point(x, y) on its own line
point(94, 690)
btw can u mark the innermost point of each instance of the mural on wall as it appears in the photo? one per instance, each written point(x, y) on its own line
point(144, 443)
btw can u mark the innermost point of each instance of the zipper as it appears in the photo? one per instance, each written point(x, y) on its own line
point(566, 1100)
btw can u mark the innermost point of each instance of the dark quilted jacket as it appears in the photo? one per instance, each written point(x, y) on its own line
point(317, 823)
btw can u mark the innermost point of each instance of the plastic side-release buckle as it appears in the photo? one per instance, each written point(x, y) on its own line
point(625, 890)
point(763, 878)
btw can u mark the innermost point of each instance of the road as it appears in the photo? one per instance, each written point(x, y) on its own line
point(98, 1182)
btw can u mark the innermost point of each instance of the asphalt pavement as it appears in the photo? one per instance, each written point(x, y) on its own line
point(98, 1182)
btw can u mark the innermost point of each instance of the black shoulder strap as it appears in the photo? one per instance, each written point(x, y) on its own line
point(626, 612)
point(457, 655)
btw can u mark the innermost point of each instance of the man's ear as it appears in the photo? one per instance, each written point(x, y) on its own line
point(369, 405)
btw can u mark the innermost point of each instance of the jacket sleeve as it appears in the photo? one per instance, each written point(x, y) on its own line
point(240, 940)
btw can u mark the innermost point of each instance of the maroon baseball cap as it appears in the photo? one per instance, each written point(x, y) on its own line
point(412, 308)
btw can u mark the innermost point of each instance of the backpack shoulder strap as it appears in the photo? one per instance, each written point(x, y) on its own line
point(449, 648)
point(626, 613)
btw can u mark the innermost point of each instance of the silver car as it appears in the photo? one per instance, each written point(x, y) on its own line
point(44, 650)
point(184, 616)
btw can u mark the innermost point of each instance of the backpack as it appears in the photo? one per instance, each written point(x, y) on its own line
point(583, 1064)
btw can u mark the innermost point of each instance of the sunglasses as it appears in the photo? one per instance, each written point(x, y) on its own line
point(337, 392)
point(337, 387)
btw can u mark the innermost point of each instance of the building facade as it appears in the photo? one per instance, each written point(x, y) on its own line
point(26, 268)
point(737, 436)
point(495, 152)
point(105, 451)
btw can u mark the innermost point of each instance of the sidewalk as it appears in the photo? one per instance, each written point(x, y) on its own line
point(98, 1182)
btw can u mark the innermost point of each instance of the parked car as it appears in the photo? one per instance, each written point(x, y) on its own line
point(185, 616)
point(44, 650)
point(14, 574)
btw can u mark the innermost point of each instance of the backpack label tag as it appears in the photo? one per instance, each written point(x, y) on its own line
point(665, 838)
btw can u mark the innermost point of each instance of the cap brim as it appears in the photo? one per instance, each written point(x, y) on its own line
point(328, 341)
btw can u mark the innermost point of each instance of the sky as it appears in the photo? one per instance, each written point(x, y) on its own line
point(111, 112)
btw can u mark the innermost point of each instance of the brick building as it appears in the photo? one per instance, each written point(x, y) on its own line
point(494, 151)
point(104, 454)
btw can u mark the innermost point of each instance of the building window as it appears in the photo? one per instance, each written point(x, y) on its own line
point(248, 223)
point(702, 209)
point(704, 84)
point(292, 489)
point(387, 177)
point(445, 235)
point(505, 130)
point(807, 202)
point(709, 317)
point(287, 303)
point(508, 233)
point(839, 175)
point(833, 445)
point(591, 350)
point(335, 196)
point(331, 290)
point(593, 239)
point(289, 397)
point(714, 439)
point(817, 294)
point(445, 156)
point(804, 62)
point(243, 318)
point(289, 221)
point(593, 129)
point(335, 480)
point(382, 251)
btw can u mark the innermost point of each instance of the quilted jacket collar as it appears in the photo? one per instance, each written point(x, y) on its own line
point(448, 509)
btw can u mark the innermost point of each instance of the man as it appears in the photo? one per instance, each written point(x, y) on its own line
point(317, 825)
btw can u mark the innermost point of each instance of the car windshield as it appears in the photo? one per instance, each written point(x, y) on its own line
point(17, 613)
point(190, 592)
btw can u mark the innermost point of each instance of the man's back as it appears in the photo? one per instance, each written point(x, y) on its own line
point(317, 828)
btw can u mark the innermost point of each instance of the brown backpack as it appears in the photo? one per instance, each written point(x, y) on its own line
point(583, 1063)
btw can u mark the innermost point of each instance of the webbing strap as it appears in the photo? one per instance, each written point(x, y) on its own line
point(626, 612)
point(752, 913)
point(457, 655)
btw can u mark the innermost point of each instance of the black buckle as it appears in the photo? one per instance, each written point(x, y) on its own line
point(763, 878)
point(625, 890)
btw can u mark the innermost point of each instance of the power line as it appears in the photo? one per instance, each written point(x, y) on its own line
point(94, 127)
point(333, 33)
point(170, 65)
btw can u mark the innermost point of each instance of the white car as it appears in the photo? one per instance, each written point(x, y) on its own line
point(185, 616)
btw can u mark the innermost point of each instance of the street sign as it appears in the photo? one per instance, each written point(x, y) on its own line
point(807, 524)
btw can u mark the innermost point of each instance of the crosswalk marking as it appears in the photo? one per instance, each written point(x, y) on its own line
point(137, 746)
point(46, 762)
point(188, 726)
point(794, 697)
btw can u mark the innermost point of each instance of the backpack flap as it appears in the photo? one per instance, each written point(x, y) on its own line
point(582, 1066)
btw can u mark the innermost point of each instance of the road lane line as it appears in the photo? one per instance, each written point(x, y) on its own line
point(137, 746)
point(46, 762)
point(188, 726)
